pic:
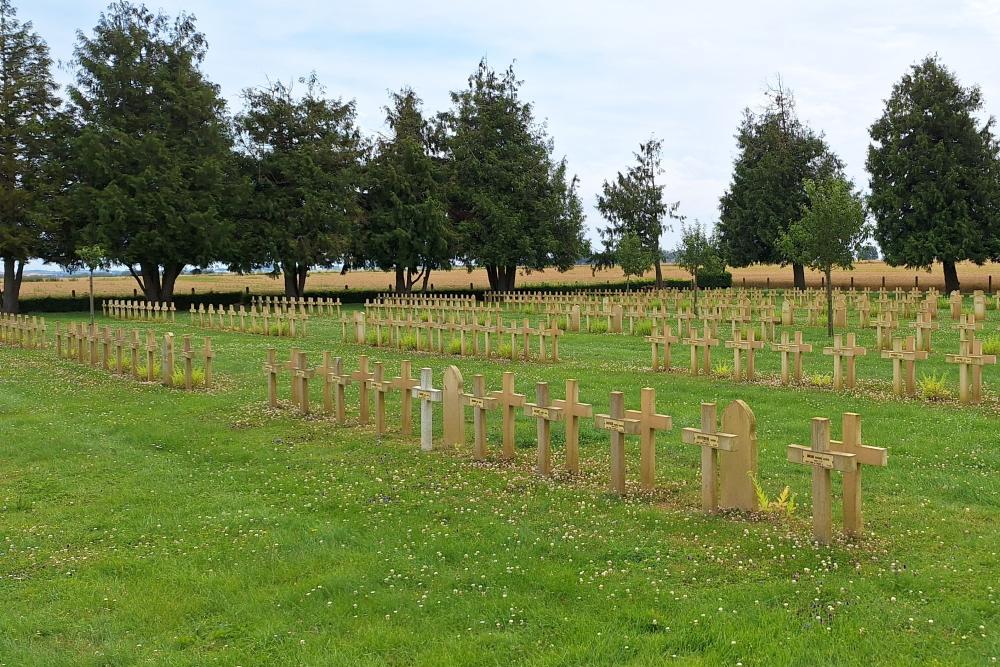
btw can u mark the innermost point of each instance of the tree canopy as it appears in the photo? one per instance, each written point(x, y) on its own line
point(935, 174)
point(153, 153)
point(406, 228)
point(633, 205)
point(512, 203)
point(30, 132)
point(777, 154)
point(829, 233)
point(302, 156)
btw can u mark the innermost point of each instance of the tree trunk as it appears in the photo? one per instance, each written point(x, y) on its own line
point(13, 271)
point(799, 276)
point(151, 281)
point(169, 281)
point(694, 281)
point(401, 281)
point(829, 301)
point(659, 274)
point(427, 279)
point(951, 283)
point(491, 275)
point(291, 282)
point(91, 296)
point(301, 273)
point(510, 275)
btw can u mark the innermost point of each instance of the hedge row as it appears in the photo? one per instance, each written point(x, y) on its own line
point(183, 302)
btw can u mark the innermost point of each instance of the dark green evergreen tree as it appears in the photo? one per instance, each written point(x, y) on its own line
point(935, 189)
point(511, 202)
point(777, 154)
point(153, 158)
point(30, 136)
point(406, 228)
point(302, 156)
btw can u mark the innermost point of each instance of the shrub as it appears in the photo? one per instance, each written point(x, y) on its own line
point(821, 380)
point(454, 346)
point(505, 351)
point(562, 323)
point(643, 328)
point(722, 370)
point(933, 387)
point(408, 342)
point(425, 316)
point(197, 377)
point(991, 344)
point(598, 326)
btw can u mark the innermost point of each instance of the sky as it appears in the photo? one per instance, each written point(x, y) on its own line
point(603, 76)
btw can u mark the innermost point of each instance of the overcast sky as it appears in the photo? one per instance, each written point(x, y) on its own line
point(602, 75)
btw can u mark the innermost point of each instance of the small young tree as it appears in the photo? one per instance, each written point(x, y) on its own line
point(698, 254)
point(829, 233)
point(93, 257)
point(633, 257)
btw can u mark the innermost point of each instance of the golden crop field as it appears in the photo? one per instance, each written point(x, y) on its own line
point(865, 274)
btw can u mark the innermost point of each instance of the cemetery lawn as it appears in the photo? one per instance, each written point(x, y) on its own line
point(140, 524)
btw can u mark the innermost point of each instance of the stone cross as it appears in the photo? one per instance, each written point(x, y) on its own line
point(381, 386)
point(480, 403)
point(572, 410)
point(324, 372)
point(427, 396)
point(544, 413)
point(739, 345)
point(509, 401)
point(292, 365)
point(453, 432)
point(167, 365)
point(272, 369)
point(341, 380)
point(705, 344)
point(795, 348)
point(844, 348)
point(822, 459)
point(711, 442)
point(619, 425)
point(188, 355)
point(970, 364)
point(863, 455)
point(904, 354)
point(209, 356)
point(649, 423)
point(363, 377)
point(925, 326)
point(404, 383)
point(662, 339)
point(303, 374)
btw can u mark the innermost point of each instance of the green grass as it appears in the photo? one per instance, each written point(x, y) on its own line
point(143, 524)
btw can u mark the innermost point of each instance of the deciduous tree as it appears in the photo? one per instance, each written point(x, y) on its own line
point(698, 254)
point(829, 233)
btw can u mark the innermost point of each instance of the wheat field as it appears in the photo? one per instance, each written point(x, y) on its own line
point(865, 274)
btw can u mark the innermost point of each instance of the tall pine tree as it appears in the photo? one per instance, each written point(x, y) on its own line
point(29, 138)
point(302, 156)
point(406, 228)
point(777, 154)
point(935, 174)
point(153, 155)
point(512, 203)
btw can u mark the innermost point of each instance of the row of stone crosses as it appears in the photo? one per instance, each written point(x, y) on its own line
point(27, 332)
point(122, 353)
point(728, 451)
point(904, 353)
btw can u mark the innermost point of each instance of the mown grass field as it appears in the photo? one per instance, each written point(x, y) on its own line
point(864, 274)
point(142, 525)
